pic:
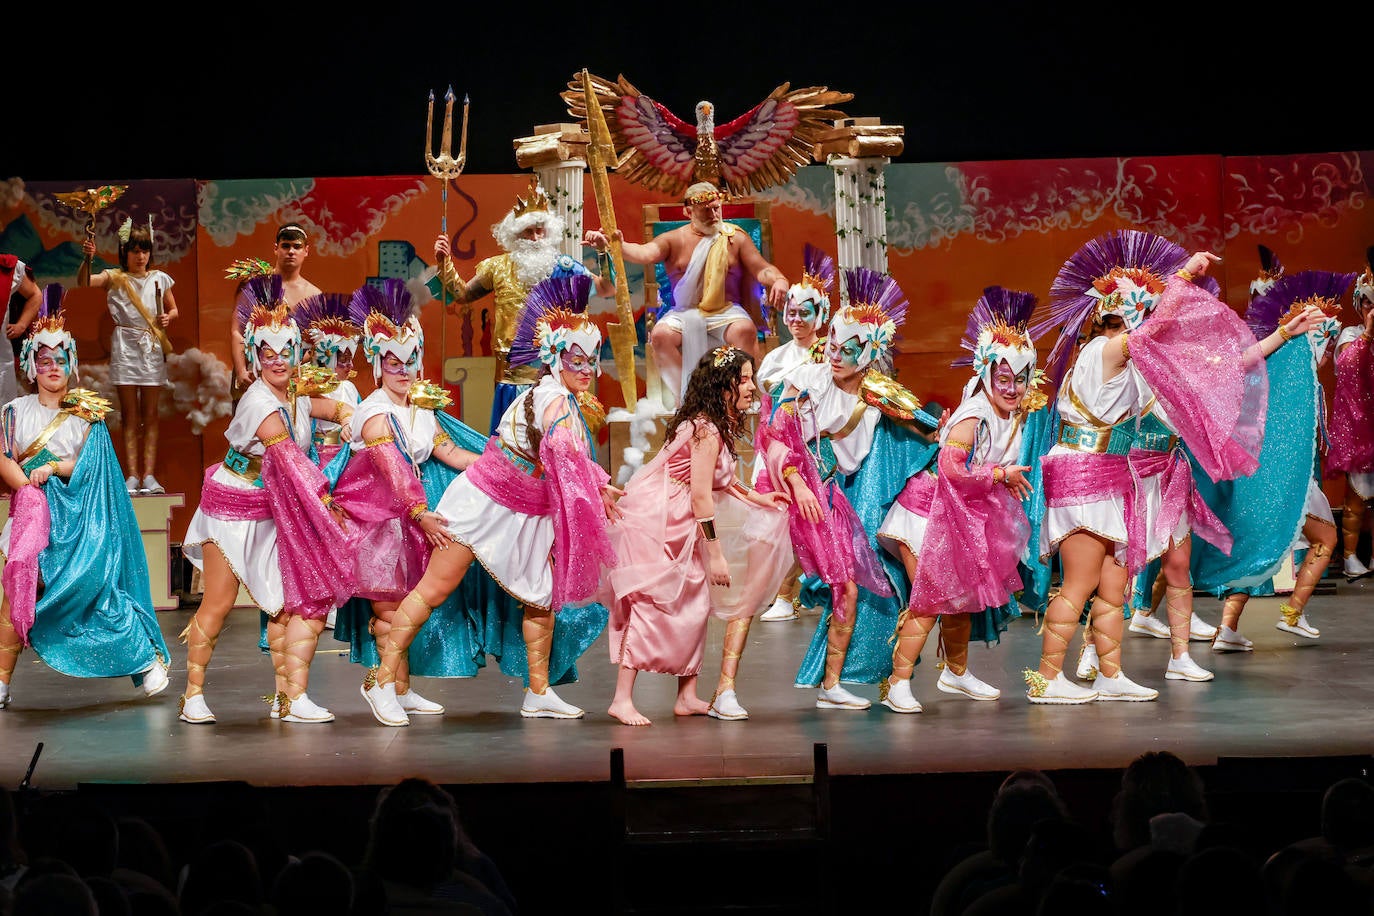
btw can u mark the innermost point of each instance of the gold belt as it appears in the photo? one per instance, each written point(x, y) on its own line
point(329, 437)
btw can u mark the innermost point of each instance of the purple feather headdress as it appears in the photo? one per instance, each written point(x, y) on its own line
point(998, 304)
point(877, 307)
point(1293, 293)
point(328, 313)
point(258, 292)
point(554, 319)
point(818, 278)
point(389, 320)
point(1074, 294)
point(48, 329)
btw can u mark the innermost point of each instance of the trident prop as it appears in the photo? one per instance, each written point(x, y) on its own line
point(91, 201)
point(446, 167)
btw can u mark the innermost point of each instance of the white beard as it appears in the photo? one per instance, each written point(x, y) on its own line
point(533, 259)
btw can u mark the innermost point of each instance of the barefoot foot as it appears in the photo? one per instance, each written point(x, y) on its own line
point(692, 705)
point(627, 714)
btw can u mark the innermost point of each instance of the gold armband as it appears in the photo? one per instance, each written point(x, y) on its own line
point(417, 512)
point(339, 412)
point(380, 440)
point(1185, 274)
point(999, 474)
point(1283, 332)
point(1126, 345)
point(328, 500)
point(789, 471)
point(441, 438)
point(708, 528)
point(273, 440)
point(959, 444)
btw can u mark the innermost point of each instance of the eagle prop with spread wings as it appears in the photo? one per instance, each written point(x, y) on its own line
point(761, 148)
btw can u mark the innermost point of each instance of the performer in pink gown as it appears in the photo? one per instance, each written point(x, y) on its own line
point(961, 532)
point(1352, 419)
point(685, 516)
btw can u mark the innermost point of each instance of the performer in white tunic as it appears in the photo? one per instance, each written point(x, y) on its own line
point(15, 280)
point(806, 314)
point(531, 509)
point(141, 302)
point(330, 337)
point(971, 567)
point(266, 520)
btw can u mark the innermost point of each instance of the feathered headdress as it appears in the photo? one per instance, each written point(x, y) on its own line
point(1292, 294)
point(1364, 284)
point(49, 329)
point(997, 331)
point(390, 324)
point(818, 275)
point(1271, 268)
point(876, 308)
point(325, 321)
point(1121, 273)
point(553, 320)
point(247, 268)
point(265, 320)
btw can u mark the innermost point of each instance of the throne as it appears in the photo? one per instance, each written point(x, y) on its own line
point(754, 218)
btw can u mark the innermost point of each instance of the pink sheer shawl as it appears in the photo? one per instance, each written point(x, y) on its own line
point(1351, 427)
point(30, 523)
point(378, 487)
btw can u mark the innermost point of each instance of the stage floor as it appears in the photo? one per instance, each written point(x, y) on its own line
point(1289, 698)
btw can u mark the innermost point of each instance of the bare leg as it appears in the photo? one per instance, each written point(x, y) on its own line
point(745, 336)
point(276, 648)
point(1232, 609)
point(912, 632)
point(1322, 537)
point(1109, 621)
point(954, 633)
point(302, 636)
point(537, 628)
point(221, 588)
point(667, 347)
point(1352, 520)
point(1178, 594)
point(622, 704)
point(688, 703)
point(731, 651)
point(1082, 555)
point(129, 419)
point(838, 636)
point(150, 397)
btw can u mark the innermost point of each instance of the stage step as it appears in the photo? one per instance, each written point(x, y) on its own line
point(741, 845)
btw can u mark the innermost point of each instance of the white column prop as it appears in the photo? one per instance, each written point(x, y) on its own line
point(563, 183)
point(860, 211)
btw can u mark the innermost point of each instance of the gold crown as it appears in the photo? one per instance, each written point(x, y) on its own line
point(536, 202)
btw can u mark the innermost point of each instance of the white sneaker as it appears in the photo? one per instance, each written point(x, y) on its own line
point(155, 679)
point(1087, 662)
point(151, 486)
point(329, 621)
point(1229, 640)
point(966, 684)
point(547, 705)
point(1354, 569)
point(382, 699)
point(131, 484)
point(303, 709)
point(1122, 688)
point(1200, 630)
point(838, 698)
point(782, 609)
point(4, 694)
point(416, 705)
point(1059, 692)
point(1149, 625)
point(1184, 668)
point(194, 710)
point(1299, 627)
point(726, 706)
point(898, 697)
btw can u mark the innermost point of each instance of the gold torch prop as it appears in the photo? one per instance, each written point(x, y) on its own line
point(444, 166)
point(91, 201)
point(622, 331)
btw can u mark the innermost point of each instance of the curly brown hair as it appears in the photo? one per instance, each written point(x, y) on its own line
point(710, 395)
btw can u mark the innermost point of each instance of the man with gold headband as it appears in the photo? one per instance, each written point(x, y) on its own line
point(529, 237)
point(707, 260)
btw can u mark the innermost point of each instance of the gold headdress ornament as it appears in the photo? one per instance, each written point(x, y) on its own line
point(536, 202)
point(247, 268)
point(723, 355)
point(703, 192)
